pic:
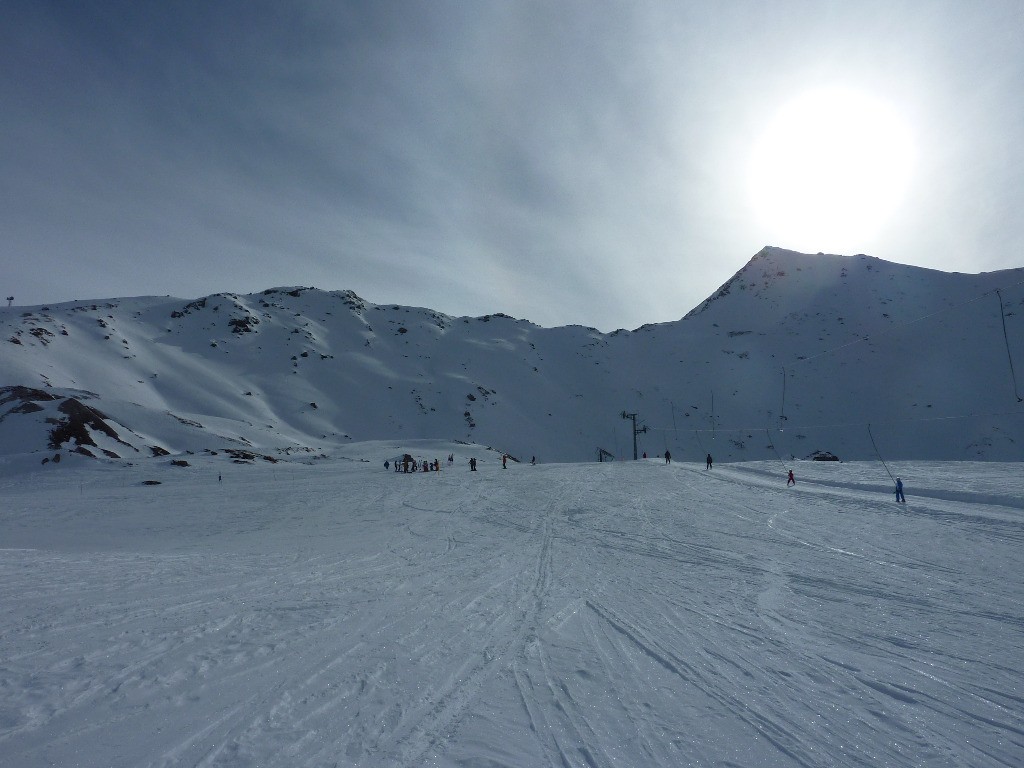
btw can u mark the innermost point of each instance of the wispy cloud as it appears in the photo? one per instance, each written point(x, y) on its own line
point(575, 162)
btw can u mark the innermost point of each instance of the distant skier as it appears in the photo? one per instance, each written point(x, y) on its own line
point(472, 465)
point(709, 462)
point(790, 480)
point(668, 457)
point(504, 460)
point(387, 465)
point(899, 491)
point(533, 461)
point(645, 454)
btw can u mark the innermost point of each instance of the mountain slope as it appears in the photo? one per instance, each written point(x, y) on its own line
point(795, 353)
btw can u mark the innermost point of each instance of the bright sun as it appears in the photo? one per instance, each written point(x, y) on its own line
point(829, 169)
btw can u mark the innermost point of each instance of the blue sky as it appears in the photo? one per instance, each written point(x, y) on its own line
point(570, 162)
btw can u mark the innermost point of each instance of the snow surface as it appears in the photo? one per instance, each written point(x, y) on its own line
point(332, 613)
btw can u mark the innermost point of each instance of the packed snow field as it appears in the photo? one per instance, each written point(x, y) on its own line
point(333, 613)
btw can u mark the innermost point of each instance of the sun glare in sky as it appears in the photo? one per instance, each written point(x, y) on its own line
point(830, 168)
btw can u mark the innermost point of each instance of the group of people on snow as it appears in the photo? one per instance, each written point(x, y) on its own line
point(408, 464)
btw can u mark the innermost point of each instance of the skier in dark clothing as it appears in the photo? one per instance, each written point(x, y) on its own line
point(790, 480)
point(709, 462)
point(668, 457)
point(899, 491)
point(472, 465)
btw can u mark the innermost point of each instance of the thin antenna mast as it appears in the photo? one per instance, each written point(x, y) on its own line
point(712, 414)
point(1002, 316)
point(782, 410)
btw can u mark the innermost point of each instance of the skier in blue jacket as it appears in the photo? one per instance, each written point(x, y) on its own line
point(899, 491)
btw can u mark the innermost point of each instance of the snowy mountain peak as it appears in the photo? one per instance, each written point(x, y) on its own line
point(805, 342)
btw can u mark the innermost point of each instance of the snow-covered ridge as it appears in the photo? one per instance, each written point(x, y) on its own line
point(795, 353)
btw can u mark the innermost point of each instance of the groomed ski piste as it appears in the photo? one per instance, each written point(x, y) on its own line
point(333, 613)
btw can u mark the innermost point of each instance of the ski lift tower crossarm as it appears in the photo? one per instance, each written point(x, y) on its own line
point(636, 430)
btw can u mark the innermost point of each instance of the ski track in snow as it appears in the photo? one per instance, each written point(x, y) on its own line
point(561, 616)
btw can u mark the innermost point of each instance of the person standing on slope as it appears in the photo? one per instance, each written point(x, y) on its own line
point(709, 462)
point(899, 491)
point(790, 480)
point(668, 457)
